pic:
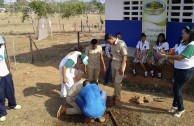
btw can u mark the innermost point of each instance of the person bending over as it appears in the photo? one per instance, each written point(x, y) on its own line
point(92, 101)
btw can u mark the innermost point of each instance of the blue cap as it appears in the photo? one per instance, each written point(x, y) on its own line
point(1, 40)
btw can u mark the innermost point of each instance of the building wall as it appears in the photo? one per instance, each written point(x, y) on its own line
point(131, 29)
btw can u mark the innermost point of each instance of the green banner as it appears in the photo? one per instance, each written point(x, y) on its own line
point(154, 16)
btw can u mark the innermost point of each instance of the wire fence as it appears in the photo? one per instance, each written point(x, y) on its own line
point(26, 49)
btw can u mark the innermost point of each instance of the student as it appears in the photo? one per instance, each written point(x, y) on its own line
point(161, 45)
point(183, 68)
point(92, 101)
point(70, 99)
point(119, 35)
point(6, 85)
point(95, 55)
point(119, 58)
point(142, 49)
point(67, 68)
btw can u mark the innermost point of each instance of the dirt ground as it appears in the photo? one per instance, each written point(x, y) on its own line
point(37, 87)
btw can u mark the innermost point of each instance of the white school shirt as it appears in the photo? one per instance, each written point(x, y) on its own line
point(185, 50)
point(3, 67)
point(73, 56)
point(161, 46)
point(143, 46)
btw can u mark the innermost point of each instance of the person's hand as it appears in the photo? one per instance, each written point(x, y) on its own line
point(64, 81)
point(121, 71)
point(104, 69)
point(85, 71)
point(161, 55)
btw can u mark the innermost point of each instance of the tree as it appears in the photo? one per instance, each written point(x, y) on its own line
point(1, 3)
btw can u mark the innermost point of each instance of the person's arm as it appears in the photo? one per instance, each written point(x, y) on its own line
point(188, 52)
point(64, 74)
point(107, 51)
point(102, 60)
point(124, 58)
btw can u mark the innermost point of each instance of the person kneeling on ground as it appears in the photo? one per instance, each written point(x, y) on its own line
point(92, 101)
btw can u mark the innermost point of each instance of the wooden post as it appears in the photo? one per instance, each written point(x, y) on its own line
point(78, 39)
point(81, 26)
point(31, 49)
point(7, 56)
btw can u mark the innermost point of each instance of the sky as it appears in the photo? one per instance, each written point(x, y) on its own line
point(8, 1)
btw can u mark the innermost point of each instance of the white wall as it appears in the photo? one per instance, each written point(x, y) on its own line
point(114, 9)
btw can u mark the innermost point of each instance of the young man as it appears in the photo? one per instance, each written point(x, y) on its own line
point(119, 57)
point(70, 99)
point(68, 67)
point(109, 55)
point(92, 101)
point(6, 85)
point(95, 55)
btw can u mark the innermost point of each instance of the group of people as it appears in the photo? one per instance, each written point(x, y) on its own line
point(85, 96)
point(89, 98)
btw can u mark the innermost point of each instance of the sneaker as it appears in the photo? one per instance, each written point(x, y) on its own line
point(2, 118)
point(146, 74)
point(62, 110)
point(179, 113)
point(88, 120)
point(152, 74)
point(159, 75)
point(134, 72)
point(101, 120)
point(17, 107)
point(173, 110)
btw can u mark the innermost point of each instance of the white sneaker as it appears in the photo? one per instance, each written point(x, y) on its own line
point(17, 107)
point(179, 113)
point(173, 110)
point(2, 118)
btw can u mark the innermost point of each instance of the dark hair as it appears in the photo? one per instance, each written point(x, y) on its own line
point(187, 29)
point(79, 48)
point(1, 45)
point(93, 82)
point(118, 33)
point(160, 35)
point(143, 35)
point(191, 36)
point(86, 82)
point(108, 36)
point(94, 41)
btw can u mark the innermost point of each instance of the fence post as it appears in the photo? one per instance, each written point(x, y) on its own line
point(78, 39)
point(81, 26)
point(31, 49)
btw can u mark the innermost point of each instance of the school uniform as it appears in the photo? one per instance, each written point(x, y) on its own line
point(6, 85)
point(183, 72)
point(142, 56)
point(118, 50)
point(162, 46)
point(93, 67)
point(69, 62)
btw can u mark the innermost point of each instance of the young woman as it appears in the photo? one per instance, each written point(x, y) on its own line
point(183, 68)
point(142, 49)
point(6, 85)
point(161, 45)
